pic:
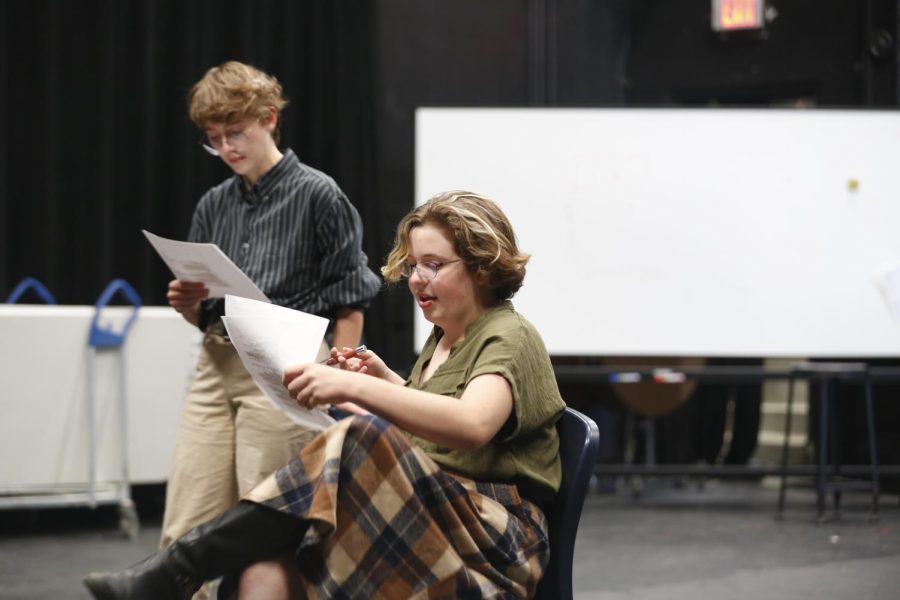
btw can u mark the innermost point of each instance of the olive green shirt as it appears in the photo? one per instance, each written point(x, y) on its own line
point(525, 451)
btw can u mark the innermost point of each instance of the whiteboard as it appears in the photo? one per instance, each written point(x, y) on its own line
point(687, 232)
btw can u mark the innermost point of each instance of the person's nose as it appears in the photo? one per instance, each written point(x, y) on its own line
point(416, 281)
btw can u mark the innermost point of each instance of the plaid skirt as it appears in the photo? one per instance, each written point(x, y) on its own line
point(385, 521)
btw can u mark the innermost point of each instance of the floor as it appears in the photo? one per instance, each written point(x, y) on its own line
point(676, 540)
point(721, 540)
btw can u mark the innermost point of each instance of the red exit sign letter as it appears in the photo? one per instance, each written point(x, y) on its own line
point(731, 15)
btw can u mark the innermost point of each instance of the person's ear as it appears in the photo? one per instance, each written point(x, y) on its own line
point(482, 278)
point(270, 121)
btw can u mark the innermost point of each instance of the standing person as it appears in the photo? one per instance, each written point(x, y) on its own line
point(292, 230)
point(434, 490)
point(711, 402)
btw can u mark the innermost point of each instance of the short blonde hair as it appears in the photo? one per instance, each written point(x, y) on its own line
point(234, 92)
point(482, 236)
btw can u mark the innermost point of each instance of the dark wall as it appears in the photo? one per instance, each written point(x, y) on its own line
point(838, 53)
point(95, 142)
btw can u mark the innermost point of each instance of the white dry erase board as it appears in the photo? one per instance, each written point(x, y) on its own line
point(687, 232)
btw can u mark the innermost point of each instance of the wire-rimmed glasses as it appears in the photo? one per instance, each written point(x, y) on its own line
point(213, 142)
point(427, 270)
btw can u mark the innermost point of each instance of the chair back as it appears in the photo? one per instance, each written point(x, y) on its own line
point(30, 283)
point(579, 444)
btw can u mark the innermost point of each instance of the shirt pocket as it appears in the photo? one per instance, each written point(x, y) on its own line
point(447, 383)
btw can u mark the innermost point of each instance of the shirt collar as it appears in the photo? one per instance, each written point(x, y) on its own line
point(472, 327)
point(271, 178)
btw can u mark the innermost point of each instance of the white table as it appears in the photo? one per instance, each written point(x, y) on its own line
point(44, 362)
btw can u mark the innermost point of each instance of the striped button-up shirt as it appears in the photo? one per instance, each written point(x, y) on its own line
point(294, 234)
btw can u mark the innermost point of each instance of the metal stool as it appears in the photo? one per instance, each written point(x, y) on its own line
point(828, 471)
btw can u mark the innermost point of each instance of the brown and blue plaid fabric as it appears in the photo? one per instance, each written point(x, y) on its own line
point(387, 522)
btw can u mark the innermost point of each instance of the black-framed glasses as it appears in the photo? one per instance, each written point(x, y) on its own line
point(427, 270)
point(213, 143)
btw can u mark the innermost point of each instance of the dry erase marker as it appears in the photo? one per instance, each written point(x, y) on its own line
point(348, 354)
point(668, 376)
point(624, 377)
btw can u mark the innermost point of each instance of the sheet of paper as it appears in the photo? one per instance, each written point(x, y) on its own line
point(889, 285)
point(269, 339)
point(191, 261)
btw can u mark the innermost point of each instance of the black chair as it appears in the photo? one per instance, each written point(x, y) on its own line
point(579, 445)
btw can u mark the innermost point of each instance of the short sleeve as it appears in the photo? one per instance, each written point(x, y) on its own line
point(520, 357)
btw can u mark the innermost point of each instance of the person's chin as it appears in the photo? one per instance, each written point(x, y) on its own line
point(429, 313)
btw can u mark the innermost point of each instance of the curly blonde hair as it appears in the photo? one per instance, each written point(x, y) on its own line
point(233, 92)
point(481, 234)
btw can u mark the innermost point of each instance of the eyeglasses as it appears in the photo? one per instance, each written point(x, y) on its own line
point(212, 143)
point(426, 270)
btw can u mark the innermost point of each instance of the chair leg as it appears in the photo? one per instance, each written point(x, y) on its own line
point(630, 444)
point(821, 475)
point(784, 449)
point(836, 452)
point(873, 448)
point(631, 451)
point(650, 442)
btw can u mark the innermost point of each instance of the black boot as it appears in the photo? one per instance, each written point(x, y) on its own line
point(243, 535)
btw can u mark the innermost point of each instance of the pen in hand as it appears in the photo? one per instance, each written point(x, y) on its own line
point(348, 354)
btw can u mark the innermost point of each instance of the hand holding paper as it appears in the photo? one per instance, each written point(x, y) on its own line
point(314, 385)
point(269, 339)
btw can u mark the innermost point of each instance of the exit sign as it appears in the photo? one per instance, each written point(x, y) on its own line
point(733, 15)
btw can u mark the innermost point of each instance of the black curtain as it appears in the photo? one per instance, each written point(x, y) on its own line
point(95, 139)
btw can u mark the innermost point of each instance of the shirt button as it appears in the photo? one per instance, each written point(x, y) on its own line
point(245, 245)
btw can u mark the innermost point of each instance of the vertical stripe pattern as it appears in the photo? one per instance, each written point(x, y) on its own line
point(295, 234)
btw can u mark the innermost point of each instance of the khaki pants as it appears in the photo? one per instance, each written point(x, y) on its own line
point(230, 439)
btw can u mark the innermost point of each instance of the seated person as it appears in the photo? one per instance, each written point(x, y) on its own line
point(433, 487)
